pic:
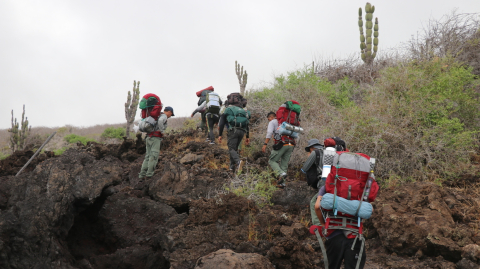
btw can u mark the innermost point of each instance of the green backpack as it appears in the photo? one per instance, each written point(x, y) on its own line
point(237, 118)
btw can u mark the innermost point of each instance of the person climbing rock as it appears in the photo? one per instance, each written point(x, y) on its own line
point(238, 126)
point(289, 112)
point(313, 170)
point(153, 142)
point(210, 109)
point(202, 96)
point(279, 169)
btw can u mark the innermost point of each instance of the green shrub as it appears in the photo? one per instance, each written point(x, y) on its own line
point(3, 155)
point(60, 151)
point(254, 185)
point(190, 124)
point(73, 138)
point(112, 132)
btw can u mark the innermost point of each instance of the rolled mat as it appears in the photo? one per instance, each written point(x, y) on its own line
point(347, 206)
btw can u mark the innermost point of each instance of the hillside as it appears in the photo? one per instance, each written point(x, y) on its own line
point(87, 209)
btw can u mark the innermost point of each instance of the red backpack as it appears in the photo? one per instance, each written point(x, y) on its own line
point(289, 112)
point(151, 105)
point(351, 178)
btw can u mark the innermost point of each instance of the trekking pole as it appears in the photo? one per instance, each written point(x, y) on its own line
point(36, 153)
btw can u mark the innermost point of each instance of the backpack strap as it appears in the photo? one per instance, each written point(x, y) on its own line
point(322, 246)
point(362, 239)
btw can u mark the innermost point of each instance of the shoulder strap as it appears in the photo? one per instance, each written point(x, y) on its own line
point(317, 157)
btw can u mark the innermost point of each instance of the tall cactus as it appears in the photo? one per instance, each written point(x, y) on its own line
point(366, 42)
point(19, 133)
point(242, 77)
point(131, 106)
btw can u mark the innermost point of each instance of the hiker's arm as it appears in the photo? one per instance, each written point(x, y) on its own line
point(264, 148)
point(221, 124)
point(318, 210)
point(309, 162)
point(202, 106)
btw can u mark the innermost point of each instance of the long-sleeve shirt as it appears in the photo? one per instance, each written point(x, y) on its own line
point(162, 123)
point(160, 127)
point(200, 109)
point(223, 121)
point(311, 161)
point(272, 128)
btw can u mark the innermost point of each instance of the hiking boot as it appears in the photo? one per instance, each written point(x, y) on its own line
point(280, 183)
point(212, 143)
point(207, 140)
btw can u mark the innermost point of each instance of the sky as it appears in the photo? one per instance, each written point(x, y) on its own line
point(73, 62)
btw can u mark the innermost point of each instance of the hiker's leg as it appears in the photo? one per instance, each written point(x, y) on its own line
point(335, 248)
point(232, 144)
point(203, 125)
point(210, 123)
point(315, 220)
point(286, 158)
point(275, 155)
point(154, 152)
point(351, 256)
point(240, 134)
point(143, 170)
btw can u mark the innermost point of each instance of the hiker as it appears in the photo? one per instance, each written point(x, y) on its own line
point(202, 95)
point(342, 204)
point(210, 109)
point(313, 170)
point(270, 129)
point(288, 113)
point(238, 126)
point(153, 140)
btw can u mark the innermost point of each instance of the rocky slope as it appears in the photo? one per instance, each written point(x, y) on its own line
point(87, 209)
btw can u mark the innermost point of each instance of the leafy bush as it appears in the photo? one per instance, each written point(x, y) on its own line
point(3, 155)
point(60, 151)
point(112, 132)
point(254, 185)
point(190, 124)
point(73, 138)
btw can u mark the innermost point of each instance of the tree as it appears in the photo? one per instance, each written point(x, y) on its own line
point(131, 106)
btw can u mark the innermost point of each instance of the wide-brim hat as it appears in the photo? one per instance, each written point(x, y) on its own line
point(313, 142)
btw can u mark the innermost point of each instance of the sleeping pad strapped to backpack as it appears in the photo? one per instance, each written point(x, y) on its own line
point(151, 107)
point(203, 94)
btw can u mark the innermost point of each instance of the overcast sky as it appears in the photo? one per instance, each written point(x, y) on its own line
point(73, 62)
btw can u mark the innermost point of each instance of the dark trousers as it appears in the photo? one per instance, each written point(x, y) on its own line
point(235, 136)
point(203, 124)
point(339, 248)
point(211, 120)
